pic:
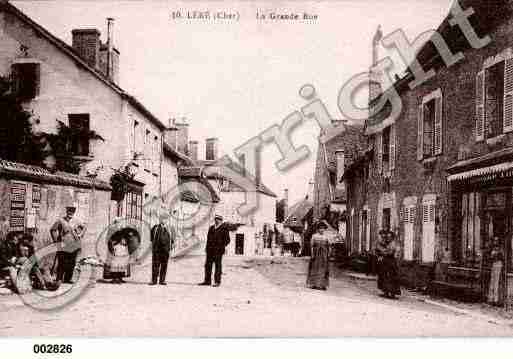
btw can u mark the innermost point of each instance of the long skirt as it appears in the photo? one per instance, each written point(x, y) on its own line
point(388, 276)
point(495, 277)
point(116, 267)
point(318, 267)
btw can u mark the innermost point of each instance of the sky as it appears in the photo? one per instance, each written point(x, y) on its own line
point(234, 79)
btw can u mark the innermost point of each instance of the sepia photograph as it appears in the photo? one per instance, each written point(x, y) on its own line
point(255, 169)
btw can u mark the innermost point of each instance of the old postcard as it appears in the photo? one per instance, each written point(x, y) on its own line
point(255, 169)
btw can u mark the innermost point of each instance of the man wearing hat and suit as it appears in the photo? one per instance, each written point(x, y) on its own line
point(161, 244)
point(218, 238)
point(63, 232)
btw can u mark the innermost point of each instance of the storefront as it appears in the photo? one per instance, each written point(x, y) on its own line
point(481, 230)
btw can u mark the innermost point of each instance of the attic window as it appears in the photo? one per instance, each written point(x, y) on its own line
point(26, 80)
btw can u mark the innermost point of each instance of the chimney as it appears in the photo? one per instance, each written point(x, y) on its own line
point(375, 77)
point(340, 168)
point(86, 42)
point(286, 202)
point(109, 55)
point(310, 193)
point(182, 136)
point(258, 169)
point(193, 150)
point(171, 136)
point(211, 149)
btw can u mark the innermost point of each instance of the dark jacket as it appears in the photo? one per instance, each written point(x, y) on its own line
point(217, 239)
point(7, 250)
point(161, 240)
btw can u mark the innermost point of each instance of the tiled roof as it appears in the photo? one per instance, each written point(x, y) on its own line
point(189, 171)
point(297, 213)
point(192, 196)
point(492, 158)
point(352, 141)
point(69, 51)
point(170, 152)
point(39, 174)
point(194, 171)
point(487, 14)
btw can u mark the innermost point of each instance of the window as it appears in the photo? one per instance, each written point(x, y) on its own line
point(470, 225)
point(386, 219)
point(494, 97)
point(79, 124)
point(135, 134)
point(147, 151)
point(156, 156)
point(132, 205)
point(428, 228)
point(26, 80)
point(386, 149)
point(494, 94)
point(364, 231)
point(430, 126)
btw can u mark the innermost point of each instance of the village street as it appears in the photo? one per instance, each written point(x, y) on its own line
point(259, 297)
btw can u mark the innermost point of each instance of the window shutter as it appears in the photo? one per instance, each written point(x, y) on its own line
point(15, 78)
point(379, 141)
point(438, 125)
point(480, 101)
point(508, 95)
point(360, 232)
point(428, 231)
point(392, 147)
point(420, 133)
point(367, 229)
point(37, 79)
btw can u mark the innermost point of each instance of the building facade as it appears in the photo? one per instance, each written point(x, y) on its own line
point(439, 174)
point(333, 157)
point(77, 85)
point(255, 231)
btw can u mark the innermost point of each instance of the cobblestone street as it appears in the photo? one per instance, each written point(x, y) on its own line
point(258, 297)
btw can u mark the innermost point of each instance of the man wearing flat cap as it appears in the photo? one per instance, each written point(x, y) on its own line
point(218, 238)
point(63, 232)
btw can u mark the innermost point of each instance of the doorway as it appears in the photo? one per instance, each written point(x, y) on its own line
point(496, 226)
point(239, 244)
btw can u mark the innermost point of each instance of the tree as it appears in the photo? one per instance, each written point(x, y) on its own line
point(61, 146)
point(18, 142)
point(119, 182)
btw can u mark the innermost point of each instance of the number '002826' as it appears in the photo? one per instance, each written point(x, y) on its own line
point(53, 348)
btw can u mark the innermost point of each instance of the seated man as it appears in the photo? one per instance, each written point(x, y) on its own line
point(14, 252)
point(40, 278)
point(9, 253)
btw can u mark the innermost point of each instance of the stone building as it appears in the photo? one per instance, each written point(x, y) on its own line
point(440, 173)
point(78, 85)
point(254, 231)
point(329, 193)
point(33, 198)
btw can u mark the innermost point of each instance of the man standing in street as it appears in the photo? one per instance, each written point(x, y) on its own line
point(62, 232)
point(161, 242)
point(218, 238)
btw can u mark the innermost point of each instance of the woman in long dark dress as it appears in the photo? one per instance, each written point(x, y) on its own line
point(388, 269)
point(318, 267)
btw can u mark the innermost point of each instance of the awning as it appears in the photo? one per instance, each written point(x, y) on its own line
point(491, 172)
